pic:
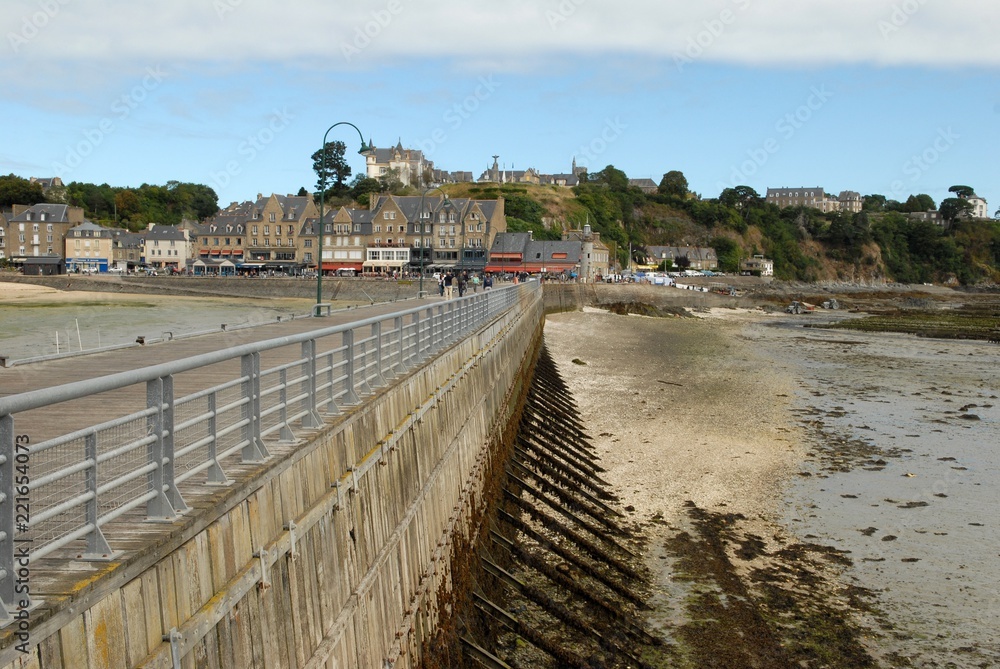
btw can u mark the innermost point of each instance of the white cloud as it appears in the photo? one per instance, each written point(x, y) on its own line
point(760, 32)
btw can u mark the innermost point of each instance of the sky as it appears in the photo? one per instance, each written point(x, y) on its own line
point(893, 97)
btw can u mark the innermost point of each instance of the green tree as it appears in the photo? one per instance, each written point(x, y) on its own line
point(874, 202)
point(332, 168)
point(18, 190)
point(673, 183)
point(953, 207)
point(363, 186)
point(390, 181)
point(917, 203)
point(964, 192)
point(728, 252)
point(741, 198)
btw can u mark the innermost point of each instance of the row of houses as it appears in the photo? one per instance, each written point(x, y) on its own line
point(281, 233)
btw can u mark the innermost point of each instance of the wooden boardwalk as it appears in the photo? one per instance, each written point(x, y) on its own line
point(59, 576)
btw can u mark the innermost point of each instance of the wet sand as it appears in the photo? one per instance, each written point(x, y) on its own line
point(797, 486)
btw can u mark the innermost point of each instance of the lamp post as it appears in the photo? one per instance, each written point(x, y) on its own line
point(423, 230)
point(365, 148)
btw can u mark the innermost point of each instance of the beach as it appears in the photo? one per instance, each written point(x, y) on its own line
point(811, 497)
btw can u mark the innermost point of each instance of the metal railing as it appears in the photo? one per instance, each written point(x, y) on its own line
point(56, 494)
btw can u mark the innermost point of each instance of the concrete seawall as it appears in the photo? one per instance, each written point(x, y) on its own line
point(337, 555)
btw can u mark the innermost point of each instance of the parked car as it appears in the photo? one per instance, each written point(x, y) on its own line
point(115, 270)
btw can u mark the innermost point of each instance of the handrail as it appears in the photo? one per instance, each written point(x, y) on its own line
point(78, 481)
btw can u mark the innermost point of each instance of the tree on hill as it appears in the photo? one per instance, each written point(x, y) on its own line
point(673, 183)
point(612, 177)
point(873, 202)
point(18, 190)
point(917, 203)
point(964, 192)
point(953, 207)
point(741, 198)
point(331, 169)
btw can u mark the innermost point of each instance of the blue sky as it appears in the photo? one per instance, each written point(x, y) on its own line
point(883, 97)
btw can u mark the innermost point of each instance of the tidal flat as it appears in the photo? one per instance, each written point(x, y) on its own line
point(812, 497)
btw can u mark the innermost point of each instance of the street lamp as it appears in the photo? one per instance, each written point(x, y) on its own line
point(423, 230)
point(365, 148)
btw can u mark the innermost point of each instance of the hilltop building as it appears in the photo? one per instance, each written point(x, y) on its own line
point(410, 164)
point(817, 198)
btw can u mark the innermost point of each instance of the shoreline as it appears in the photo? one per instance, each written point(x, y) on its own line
point(729, 436)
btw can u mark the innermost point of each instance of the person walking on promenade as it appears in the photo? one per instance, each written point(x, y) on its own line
point(462, 282)
point(449, 279)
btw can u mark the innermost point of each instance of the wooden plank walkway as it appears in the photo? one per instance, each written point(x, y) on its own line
point(58, 576)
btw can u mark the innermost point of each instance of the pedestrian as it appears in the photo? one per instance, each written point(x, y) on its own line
point(449, 279)
point(487, 282)
point(475, 283)
point(441, 285)
point(462, 282)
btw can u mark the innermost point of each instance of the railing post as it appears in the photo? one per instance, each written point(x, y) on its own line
point(97, 543)
point(418, 346)
point(254, 450)
point(167, 501)
point(285, 434)
point(351, 396)
point(7, 569)
point(397, 323)
point(216, 475)
point(312, 418)
point(379, 358)
point(331, 403)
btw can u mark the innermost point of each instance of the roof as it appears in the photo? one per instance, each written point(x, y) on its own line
point(166, 232)
point(511, 242)
point(92, 228)
point(55, 213)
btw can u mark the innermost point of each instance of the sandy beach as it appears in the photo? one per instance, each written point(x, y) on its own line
point(812, 497)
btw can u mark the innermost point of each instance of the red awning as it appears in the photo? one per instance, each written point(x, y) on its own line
point(215, 252)
point(226, 252)
point(332, 266)
point(237, 252)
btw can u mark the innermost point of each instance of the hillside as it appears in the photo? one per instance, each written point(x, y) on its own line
point(876, 244)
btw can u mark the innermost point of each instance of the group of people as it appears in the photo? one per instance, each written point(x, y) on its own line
point(448, 282)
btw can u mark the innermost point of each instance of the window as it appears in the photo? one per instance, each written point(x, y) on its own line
point(401, 242)
point(289, 229)
point(215, 241)
point(308, 243)
point(388, 228)
point(270, 217)
point(378, 228)
point(253, 230)
point(378, 241)
point(267, 230)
